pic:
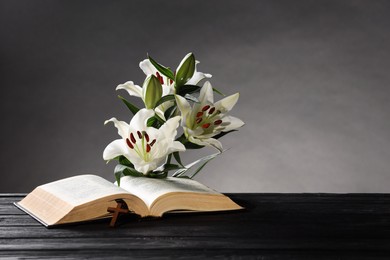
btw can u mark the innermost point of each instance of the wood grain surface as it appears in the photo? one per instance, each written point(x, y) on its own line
point(272, 226)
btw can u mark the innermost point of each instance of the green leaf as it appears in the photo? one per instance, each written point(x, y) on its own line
point(177, 158)
point(154, 122)
point(219, 92)
point(165, 99)
point(164, 172)
point(199, 169)
point(179, 173)
point(123, 170)
point(203, 160)
point(124, 161)
point(160, 120)
point(130, 106)
point(182, 139)
point(164, 70)
point(190, 145)
point(187, 89)
point(118, 176)
point(157, 174)
point(170, 166)
point(170, 112)
point(183, 177)
point(151, 121)
point(132, 172)
point(169, 157)
point(191, 98)
point(186, 70)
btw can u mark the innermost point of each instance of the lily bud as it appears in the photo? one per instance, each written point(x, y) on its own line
point(152, 91)
point(186, 70)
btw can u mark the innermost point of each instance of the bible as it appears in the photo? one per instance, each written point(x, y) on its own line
point(87, 197)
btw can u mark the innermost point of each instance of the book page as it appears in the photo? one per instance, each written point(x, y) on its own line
point(82, 188)
point(149, 189)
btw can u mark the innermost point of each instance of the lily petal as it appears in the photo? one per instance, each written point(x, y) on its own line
point(115, 149)
point(147, 67)
point(207, 142)
point(183, 104)
point(206, 93)
point(193, 132)
point(122, 127)
point(176, 147)
point(169, 129)
point(160, 112)
point(168, 90)
point(226, 104)
point(147, 166)
point(198, 76)
point(231, 123)
point(139, 121)
point(214, 143)
point(133, 90)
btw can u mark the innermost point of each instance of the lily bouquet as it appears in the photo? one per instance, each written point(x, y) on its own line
point(174, 100)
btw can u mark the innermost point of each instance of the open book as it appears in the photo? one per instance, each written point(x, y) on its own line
point(87, 197)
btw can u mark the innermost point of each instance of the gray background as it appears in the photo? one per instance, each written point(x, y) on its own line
point(313, 78)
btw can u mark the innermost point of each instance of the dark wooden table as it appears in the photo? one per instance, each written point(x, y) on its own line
point(273, 226)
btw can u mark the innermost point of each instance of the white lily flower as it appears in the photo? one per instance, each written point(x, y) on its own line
point(207, 119)
point(145, 147)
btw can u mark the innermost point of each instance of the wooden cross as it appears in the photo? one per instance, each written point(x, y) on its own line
point(121, 207)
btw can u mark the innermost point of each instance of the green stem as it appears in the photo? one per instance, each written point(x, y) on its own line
point(169, 159)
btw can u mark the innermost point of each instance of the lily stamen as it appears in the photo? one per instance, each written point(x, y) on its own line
point(205, 108)
point(132, 138)
point(214, 114)
point(160, 78)
point(218, 122)
point(146, 137)
point(129, 144)
point(206, 125)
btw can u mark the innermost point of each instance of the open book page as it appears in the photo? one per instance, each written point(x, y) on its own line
point(149, 189)
point(75, 199)
point(82, 189)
